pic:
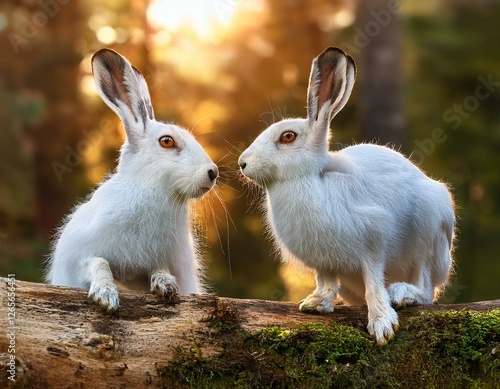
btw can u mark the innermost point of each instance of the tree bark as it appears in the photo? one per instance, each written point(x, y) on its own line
point(380, 97)
point(63, 340)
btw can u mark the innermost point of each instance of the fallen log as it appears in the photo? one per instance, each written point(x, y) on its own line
point(58, 338)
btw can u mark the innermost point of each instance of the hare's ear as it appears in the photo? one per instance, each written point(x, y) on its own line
point(123, 89)
point(332, 77)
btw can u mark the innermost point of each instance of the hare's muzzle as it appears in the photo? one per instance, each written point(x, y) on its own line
point(207, 184)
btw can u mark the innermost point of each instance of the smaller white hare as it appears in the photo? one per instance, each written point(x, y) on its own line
point(136, 225)
point(369, 222)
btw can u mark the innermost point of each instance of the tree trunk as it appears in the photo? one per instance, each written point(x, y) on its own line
point(60, 339)
point(381, 99)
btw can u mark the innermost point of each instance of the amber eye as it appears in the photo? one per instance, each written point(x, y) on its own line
point(288, 137)
point(166, 142)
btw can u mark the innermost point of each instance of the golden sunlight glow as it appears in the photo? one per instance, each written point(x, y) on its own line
point(106, 35)
point(207, 19)
point(87, 85)
point(341, 19)
point(298, 283)
point(188, 36)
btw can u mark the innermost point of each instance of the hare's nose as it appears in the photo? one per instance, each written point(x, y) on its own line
point(213, 173)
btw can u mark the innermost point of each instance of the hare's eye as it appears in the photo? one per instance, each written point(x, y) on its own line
point(167, 142)
point(288, 137)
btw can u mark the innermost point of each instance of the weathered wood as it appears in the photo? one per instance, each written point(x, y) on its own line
point(63, 340)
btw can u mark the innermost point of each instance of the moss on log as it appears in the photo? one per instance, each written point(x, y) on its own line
point(63, 340)
point(453, 349)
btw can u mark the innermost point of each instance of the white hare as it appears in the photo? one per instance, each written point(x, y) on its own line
point(136, 224)
point(369, 222)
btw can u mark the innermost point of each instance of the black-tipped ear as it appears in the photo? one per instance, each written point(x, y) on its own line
point(144, 91)
point(332, 78)
point(121, 87)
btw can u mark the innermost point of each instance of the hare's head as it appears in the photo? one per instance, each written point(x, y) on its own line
point(294, 148)
point(154, 153)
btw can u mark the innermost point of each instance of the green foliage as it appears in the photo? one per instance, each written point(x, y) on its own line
point(432, 350)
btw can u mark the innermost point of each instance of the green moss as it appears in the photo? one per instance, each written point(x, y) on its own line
point(450, 349)
point(433, 350)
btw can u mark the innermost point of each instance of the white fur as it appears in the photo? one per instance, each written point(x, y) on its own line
point(371, 224)
point(136, 224)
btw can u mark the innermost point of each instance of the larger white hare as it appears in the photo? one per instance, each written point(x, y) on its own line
point(369, 222)
point(136, 224)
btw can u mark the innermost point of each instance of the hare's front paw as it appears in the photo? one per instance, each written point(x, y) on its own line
point(105, 293)
point(383, 328)
point(317, 303)
point(164, 285)
point(403, 294)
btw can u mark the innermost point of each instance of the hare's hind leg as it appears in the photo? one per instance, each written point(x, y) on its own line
point(428, 275)
point(323, 297)
point(102, 287)
point(419, 291)
point(403, 294)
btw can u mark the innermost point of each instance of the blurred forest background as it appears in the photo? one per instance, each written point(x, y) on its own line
point(428, 83)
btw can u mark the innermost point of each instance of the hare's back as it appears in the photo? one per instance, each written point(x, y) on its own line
point(380, 160)
point(387, 174)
